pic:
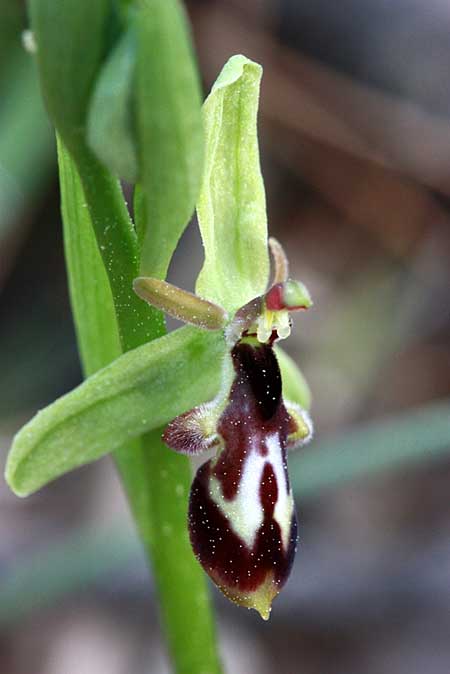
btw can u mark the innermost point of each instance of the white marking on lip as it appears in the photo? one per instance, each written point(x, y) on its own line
point(285, 503)
point(244, 512)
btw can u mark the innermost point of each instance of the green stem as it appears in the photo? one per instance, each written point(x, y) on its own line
point(156, 481)
point(117, 241)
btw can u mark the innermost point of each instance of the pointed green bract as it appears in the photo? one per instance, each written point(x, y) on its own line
point(232, 206)
point(169, 128)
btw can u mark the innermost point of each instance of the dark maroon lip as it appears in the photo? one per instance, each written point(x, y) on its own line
point(253, 412)
point(224, 555)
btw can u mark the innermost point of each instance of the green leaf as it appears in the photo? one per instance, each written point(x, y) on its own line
point(139, 213)
point(71, 37)
point(118, 246)
point(408, 438)
point(90, 293)
point(138, 392)
point(111, 132)
point(141, 390)
point(169, 128)
point(232, 207)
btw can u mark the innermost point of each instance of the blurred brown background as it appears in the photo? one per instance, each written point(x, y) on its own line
point(355, 147)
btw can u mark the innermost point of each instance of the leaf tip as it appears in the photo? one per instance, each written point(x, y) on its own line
point(233, 70)
point(11, 478)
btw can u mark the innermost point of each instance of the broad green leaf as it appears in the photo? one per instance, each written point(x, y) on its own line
point(71, 40)
point(111, 132)
point(90, 293)
point(140, 391)
point(169, 128)
point(232, 208)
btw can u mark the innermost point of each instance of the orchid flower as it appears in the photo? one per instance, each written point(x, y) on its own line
point(241, 515)
point(242, 521)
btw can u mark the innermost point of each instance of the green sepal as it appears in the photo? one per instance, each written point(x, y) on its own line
point(110, 129)
point(169, 128)
point(232, 206)
point(295, 386)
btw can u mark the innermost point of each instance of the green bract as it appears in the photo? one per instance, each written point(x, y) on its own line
point(111, 132)
point(138, 392)
point(231, 207)
point(169, 129)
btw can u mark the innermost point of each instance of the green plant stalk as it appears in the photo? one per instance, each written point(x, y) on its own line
point(157, 484)
point(156, 481)
point(117, 241)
